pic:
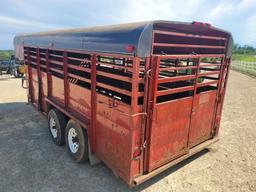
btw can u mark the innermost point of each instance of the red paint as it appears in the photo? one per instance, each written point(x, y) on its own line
point(163, 106)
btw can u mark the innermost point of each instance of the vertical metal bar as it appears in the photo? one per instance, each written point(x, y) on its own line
point(146, 83)
point(196, 80)
point(194, 96)
point(135, 85)
point(134, 108)
point(153, 85)
point(187, 65)
point(30, 77)
point(218, 95)
point(38, 62)
point(145, 105)
point(152, 43)
point(92, 129)
point(225, 81)
point(176, 71)
point(39, 80)
point(66, 84)
point(49, 81)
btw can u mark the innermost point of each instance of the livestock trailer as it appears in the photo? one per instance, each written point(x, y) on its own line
point(140, 97)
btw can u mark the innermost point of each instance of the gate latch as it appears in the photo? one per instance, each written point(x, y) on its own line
point(144, 145)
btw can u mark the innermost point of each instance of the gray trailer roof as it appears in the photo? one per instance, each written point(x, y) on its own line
point(114, 38)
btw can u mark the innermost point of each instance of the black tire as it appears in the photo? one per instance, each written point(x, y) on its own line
point(81, 139)
point(60, 124)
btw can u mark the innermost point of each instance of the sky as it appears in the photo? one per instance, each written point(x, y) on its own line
point(22, 16)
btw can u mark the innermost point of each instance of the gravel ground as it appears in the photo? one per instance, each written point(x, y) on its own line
point(29, 161)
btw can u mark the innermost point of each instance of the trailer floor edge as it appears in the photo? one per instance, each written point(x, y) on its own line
point(192, 151)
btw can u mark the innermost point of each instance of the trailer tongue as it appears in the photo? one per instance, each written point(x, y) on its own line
point(140, 97)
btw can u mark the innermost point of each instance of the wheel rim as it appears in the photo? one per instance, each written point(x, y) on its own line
point(53, 129)
point(73, 140)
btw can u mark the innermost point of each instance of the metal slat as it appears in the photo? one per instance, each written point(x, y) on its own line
point(177, 68)
point(207, 83)
point(189, 56)
point(31, 56)
point(112, 88)
point(114, 76)
point(79, 68)
point(188, 45)
point(208, 73)
point(189, 35)
point(56, 70)
point(79, 78)
point(209, 64)
point(56, 62)
point(175, 90)
point(34, 63)
point(54, 55)
point(81, 60)
point(114, 65)
point(177, 78)
point(208, 69)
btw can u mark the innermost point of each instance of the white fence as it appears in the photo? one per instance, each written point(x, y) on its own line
point(245, 67)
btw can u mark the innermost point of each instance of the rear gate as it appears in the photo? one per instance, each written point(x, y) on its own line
point(204, 99)
point(35, 77)
point(182, 104)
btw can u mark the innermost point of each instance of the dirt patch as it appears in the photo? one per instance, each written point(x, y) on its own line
point(29, 161)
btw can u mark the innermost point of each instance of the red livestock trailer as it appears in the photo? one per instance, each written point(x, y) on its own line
point(140, 97)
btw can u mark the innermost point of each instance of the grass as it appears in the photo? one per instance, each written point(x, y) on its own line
point(244, 57)
point(244, 63)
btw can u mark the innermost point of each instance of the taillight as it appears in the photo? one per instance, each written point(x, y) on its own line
point(136, 153)
point(130, 48)
point(195, 23)
point(201, 24)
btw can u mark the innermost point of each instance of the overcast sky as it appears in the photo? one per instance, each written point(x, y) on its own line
point(20, 16)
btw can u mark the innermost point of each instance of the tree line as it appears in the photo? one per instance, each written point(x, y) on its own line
point(5, 54)
point(244, 50)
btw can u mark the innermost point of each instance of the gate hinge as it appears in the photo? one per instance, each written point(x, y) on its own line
point(219, 98)
point(151, 113)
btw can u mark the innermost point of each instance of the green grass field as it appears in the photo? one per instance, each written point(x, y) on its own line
point(244, 57)
point(245, 63)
